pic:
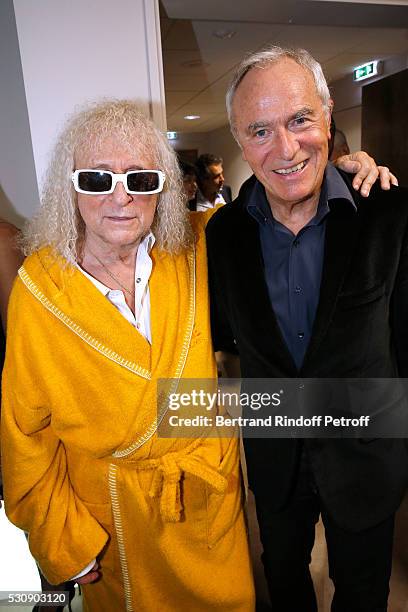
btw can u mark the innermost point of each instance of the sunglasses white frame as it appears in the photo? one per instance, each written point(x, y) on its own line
point(116, 178)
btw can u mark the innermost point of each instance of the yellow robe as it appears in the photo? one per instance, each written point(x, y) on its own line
point(85, 473)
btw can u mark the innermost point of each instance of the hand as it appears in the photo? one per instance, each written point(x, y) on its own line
point(366, 171)
point(91, 576)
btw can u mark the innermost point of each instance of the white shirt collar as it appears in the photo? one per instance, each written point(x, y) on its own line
point(145, 245)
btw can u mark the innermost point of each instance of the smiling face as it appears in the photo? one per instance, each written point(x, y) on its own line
point(117, 220)
point(283, 131)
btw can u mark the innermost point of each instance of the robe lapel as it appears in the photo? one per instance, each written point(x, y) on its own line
point(172, 292)
point(341, 233)
point(72, 298)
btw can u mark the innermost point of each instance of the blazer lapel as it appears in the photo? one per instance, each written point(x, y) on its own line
point(341, 233)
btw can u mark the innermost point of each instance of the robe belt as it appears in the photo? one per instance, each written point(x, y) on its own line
point(167, 476)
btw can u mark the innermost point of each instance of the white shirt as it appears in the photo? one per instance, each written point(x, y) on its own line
point(141, 321)
point(204, 204)
point(143, 270)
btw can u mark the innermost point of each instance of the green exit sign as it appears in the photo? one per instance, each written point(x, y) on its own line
point(366, 71)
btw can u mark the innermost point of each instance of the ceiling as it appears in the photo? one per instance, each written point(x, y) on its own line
point(203, 40)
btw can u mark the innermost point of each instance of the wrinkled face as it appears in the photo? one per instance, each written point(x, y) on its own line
point(117, 219)
point(214, 182)
point(190, 186)
point(283, 130)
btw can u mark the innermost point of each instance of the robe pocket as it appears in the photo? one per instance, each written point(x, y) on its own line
point(352, 300)
point(223, 509)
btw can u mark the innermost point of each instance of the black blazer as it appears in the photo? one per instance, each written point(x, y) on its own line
point(360, 331)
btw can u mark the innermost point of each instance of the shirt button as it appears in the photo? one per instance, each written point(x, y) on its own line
point(138, 280)
point(298, 289)
point(296, 243)
point(301, 335)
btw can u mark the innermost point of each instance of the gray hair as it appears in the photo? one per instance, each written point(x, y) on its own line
point(58, 223)
point(271, 55)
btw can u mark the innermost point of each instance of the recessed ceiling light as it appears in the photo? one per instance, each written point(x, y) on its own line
point(191, 117)
point(222, 33)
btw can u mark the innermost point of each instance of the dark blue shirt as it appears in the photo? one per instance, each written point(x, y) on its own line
point(293, 264)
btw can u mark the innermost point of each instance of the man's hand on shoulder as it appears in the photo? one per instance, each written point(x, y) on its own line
point(366, 172)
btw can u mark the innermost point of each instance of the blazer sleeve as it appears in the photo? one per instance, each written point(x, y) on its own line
point(221, 331)
point(63, 536)
point(400, 310)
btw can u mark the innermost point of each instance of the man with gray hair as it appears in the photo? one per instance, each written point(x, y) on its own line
point(310, 280)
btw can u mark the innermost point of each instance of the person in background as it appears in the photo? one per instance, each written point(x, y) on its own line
point(189, 176)
point(340, 145)
point(211, 189)
point(10, 260)
point(309, 280)
point(111, 298)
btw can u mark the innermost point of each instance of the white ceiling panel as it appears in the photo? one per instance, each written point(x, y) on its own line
point(180, 97)
point(198, 65)
point(195, 108)
point(165, 25)
point(306, 12)
point(183, 62)
point(214, 94)
point(207, 123)
point(392, 2)
point(247, 37)
point(322, 41)
point(260, 11)
point(384, 41)
point(181, 35)
point(179, 82)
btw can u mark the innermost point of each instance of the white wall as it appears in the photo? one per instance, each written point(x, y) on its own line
point(349, 121)
point(18, 184)
point(236, 170)
point(76, 51)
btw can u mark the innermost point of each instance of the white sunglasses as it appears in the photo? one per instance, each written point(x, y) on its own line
point(101, 182)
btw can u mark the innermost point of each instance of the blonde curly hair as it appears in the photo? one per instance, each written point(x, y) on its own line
point(58, 223)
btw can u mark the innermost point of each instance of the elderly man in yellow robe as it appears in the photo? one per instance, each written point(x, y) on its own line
point(112, 298)
point(145, 523)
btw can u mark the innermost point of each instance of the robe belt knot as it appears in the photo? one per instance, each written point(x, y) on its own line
point(167, 477)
